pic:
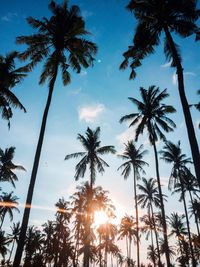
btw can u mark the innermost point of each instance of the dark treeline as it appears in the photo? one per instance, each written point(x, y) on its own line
point(74, 238)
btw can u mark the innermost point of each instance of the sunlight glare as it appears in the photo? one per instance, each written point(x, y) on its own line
point(100, 217)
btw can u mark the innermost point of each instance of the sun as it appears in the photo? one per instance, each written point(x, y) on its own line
point(100, 217)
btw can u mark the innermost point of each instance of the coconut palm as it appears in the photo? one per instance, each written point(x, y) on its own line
point(172, 153)
point(152, 115)
point(148, 198)
point(7, 167)
point(8, 205)
point(91, 156)
point(128, 230)
point(14, 236)
point(59, 43)
point(133, 157)
point(155, 17)
point(10, 77)
point(3, 244)
point(178, 228)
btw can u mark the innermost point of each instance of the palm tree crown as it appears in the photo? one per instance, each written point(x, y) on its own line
point(91, 156)
point(59, 40)
point(7, 166)
point(154, 17)
point(133, 157)
point(172, 153)
point(152, 114)
point(10, 76)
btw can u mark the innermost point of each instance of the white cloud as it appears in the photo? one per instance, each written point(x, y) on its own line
point(9, 16)
point(90, 113)
point(167, 65)
point(190, 73)
point(174, 78)
point(127, 135)
point(75, 91)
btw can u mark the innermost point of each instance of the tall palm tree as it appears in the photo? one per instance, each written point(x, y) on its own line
point(7, 167)
point(152, 115)
point(133, 157)
point(8, 205)
point(91, 156)
point(10, 77)
point(155, 17)
point(172, 153)
point(59, 43)
point(148, 198)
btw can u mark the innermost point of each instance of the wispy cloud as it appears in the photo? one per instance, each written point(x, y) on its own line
point(174, 78)
point(83, 73)
point(75, 91)
point(190, 73)
point(9, 16)
point(167, 64)
point(90, 113)
point(86, 14)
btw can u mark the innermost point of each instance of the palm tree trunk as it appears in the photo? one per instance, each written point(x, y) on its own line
point(188, 227)
point(24, 225)
point(11, 250)
point(137, 222)
point(186, 110)
point(164, 225)
point(195, 216)
point(152, 244)
point(2, 219)
point(156, 235)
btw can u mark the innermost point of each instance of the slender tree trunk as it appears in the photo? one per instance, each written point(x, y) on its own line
point(152, 244)
point(24, 225)
point(188, 226)
point(195, 216)
point(156, 236)
point(137, 221)
point(11, 251)
point(127, 247)
point(2, 219)
point(164, 225)
point(186, 110)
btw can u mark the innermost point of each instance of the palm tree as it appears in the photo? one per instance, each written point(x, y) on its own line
point(10, 77)
point(172, 153)
point(7, 166)
point(154, 18)
point(3, 243)
point(178, 228)
point(152, 115)
point(8, 205)
point(148, 197)
point(133, 157)
point(91, 156)
point(128, 230)
point(59, 43)
point(14, 236)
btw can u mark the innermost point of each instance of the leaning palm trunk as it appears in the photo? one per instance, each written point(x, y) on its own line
point(137, 223)
point(26, 214)
point(164, 225)
point(188, 226)
point(188, 119)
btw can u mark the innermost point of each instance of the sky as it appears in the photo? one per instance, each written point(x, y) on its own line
point(98, 96)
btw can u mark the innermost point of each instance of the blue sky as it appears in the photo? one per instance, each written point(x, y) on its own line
point(96, 97)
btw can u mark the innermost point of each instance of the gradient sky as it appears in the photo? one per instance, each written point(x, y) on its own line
point(96, 97)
